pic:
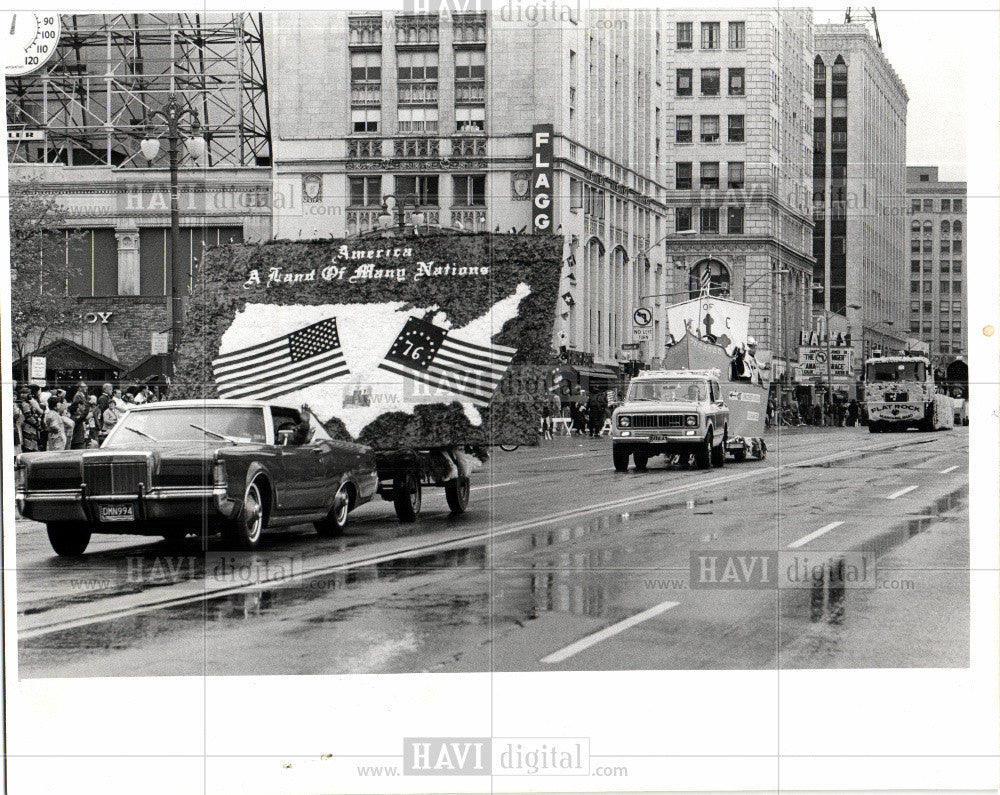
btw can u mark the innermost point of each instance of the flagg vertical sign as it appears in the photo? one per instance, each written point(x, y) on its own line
point(541, 178)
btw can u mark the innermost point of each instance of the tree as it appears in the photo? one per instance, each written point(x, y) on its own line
point(39, 277)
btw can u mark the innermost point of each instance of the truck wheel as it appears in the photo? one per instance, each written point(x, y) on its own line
point(68, 539)
point(456, 492)
point(406, 497)
point(620, 459)
point(740, 455)
point(333, 523)
point(640, 459)
point(719, 453)
point(703, 455)
point(244, 531)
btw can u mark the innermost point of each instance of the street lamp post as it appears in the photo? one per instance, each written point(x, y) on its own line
point(172, 117)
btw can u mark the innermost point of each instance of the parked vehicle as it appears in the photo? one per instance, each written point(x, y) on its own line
point(900, 393)
point(193, 466)
point(671, 412)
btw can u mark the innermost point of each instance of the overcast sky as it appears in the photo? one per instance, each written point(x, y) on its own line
point(926, 48)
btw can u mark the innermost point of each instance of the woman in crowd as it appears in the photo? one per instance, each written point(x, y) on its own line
point(55, 428)
point(32, 427)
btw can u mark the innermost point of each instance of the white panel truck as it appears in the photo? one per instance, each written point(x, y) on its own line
point(900, 393)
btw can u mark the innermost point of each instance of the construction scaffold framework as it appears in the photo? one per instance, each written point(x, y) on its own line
point(95, 100)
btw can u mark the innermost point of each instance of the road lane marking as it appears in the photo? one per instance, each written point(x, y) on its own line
point(901, 492)
point(59, 619)
point(949, 469)
point(815, 534)
point(494, 485)
point(572, 455)
point(607, 632)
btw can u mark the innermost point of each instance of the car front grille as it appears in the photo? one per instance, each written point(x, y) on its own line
point(658, 421)
point(114, 477)
point(54, 476)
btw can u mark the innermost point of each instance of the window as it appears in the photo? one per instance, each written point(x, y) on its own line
point(915, 266)
point(575, 194)
point(956, 267)
point(418, 73)
point(418, 120)
point(928, 229)
point(710, 35)
point(927, 307)
point(736, 129)
point(928, 244)
point(957, 228)
point(709, 129)
point(945, 247)
point(945, 287)
point(928, 288)
point(944, 326)
point(710, 219)
point(685, 35)
point(709, 175)
point(366, 78)
point(915, 325)
point(956, 246)
point(956, 306)
point(928, 205)
point(683, 129)
point(776, 87)
point(470, 119)
point(737, 35)
point(684, 176)
point(366, 191)
point(915, 206)
point(365, 120)
point(470, 78)
point(470, 190)
point(945, 266)
point(736, 175)
point(736, 82)
point(956, 325)
point(925, 177)
point(945, 228)
point(914, 287)
point(422, 190)
point(734, 220)
point(956, 205)
point(946, 205)
point(710, 82)
point(914, 306)
point(684, 80)
point(683, 219)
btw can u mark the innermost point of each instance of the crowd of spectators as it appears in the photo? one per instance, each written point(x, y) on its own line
point(60, 419)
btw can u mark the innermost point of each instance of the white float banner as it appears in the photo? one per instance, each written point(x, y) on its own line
point(727, 321)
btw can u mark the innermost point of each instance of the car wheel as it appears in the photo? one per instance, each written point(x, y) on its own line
point(244, 532)
point(406, 497)
point(703, 455)
point(68, 539)
point(719, 453)
point(641, 459)
point(620, 459)
point(456, 492)
point(333, 523)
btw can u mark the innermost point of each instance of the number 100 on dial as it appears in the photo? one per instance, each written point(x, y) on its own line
point(30, 40)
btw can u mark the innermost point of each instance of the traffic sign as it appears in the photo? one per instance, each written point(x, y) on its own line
point(642, 324)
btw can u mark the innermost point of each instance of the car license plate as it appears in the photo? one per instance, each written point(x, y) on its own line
point(116, 512)
point(658, 437)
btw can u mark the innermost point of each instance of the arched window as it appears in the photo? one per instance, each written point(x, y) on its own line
point(957, 228)
point(945, 228)
point(715, 273)
point(928, 229)
point(915, 226)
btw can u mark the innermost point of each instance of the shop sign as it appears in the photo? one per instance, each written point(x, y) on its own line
point(541, 178)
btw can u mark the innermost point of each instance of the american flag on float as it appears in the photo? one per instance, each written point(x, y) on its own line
point(705, 279)
point(433, 356)
point(308, 356)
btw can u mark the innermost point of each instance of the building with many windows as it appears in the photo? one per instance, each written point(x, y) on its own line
point(682, 144)
point(937, 290)
point(859, 177)
point(737, 152)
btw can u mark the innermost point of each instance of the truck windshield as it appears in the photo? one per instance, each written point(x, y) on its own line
point(188, 423)
point(895, 371)
point(668, 390)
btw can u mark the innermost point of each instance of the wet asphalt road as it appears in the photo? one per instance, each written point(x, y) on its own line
point(560, 563)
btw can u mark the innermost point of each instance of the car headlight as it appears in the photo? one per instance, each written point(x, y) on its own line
point(624, 421)
point(691, 420)
point(219, 474)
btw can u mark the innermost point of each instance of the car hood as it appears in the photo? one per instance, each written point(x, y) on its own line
point(650, 407)
point(187, 450)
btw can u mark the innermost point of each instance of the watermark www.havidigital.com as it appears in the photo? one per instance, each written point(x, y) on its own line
point(499, 756)
point(216, 569)
point(757, 569)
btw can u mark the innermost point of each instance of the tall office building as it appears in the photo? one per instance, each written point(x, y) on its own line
point(938, 295)
point(738, 133)
point(439, 112)
point(859, 176)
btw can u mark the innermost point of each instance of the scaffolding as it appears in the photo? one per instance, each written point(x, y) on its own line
point(94, 101)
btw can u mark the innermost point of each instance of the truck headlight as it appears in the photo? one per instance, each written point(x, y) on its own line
point(624, 421)
point(691, 420)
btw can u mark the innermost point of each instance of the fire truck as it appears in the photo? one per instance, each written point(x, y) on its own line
point(900, 392)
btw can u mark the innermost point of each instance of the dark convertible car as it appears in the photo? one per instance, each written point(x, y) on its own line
point(194, 466)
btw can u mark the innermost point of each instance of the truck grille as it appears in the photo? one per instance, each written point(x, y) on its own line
point(114, 477)
point(658, 421)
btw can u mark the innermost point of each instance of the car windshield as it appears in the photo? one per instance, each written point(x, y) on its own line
point(188, 423)
point(896, 371)
point(668, 390)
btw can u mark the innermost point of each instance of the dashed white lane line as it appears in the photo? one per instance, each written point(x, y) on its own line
point(949, 469)
point(814, 534)
point(493, 485)
point(901, 492)
point(607, 632)
point(571, 455)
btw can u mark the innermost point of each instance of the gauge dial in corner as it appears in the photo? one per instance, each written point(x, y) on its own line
point(31, 39)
